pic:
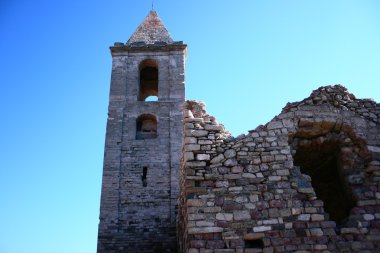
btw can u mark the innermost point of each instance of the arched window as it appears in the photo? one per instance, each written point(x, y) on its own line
point(146, 127)
point(148, 81)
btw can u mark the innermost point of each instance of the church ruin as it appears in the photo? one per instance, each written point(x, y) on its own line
point(175, 180)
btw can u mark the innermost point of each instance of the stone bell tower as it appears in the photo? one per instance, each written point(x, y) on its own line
point(143, 144)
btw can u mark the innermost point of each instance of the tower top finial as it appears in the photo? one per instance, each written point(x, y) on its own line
point(150, 31)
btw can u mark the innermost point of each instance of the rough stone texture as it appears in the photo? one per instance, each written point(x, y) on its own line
point(251, 186)
point(138, 213)
point(151, 31)
point(307, 181)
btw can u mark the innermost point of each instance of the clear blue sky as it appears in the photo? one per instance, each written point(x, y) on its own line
point(246, 59)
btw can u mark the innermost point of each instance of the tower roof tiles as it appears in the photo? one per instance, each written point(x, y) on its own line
point(151, 31)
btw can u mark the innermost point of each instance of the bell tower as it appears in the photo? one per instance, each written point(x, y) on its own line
point(140, 185)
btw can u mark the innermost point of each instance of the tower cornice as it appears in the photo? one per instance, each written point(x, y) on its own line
point(121, 48)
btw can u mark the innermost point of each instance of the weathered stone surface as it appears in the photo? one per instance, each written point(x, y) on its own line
point(368, 217)
point(224, 216)
point(307, 181)
point(262, 228)
point(199, 133)
point(253, 236)
point(214, 127)
point(317, 217)
point(304, 217)
point(275, 124)
point(230, 162)
point(192, 147)
point(230, 153)
point(205, 230)
point(316, 232)
point(257, 185)
point(144, 143)
point(242, 215)
point(217, 159)
point(150, 31)
point(203, 157)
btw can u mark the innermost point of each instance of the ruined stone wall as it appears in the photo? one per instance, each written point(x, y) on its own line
point(261, 192)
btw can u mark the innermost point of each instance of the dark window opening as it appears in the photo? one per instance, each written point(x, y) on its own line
point(148, 81)
point(254, 244)
point(143, 177)
point(321, 161)
point(146, 127)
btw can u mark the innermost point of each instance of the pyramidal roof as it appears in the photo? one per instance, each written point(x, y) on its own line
point(150, 31)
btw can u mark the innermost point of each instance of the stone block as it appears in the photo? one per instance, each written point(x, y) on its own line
point(235, 189)
point(253, 236)
point(199, 133)
point(242, 215)
point(254, 198)
point(317, 217)
point(230, 163)
point(221, 184)
point(192, 147)
point(224, 216)
point(267, 158)
point(230, 153)
point(196, 202)
point(270, 222)
point(248, 175)
point(189, 156)
point(275, 125)
point(349, 231)
point(262, 228)
point(203, 157)
point(368, 217)
point(232, 176)
point(283, 172)
point(217, 159)
point(316, 232)
point(214, 127)
point(196, 164)
point(191, 140)
point(304, 217)
point(237, 169)
point(203, 223)
point(274, 178)
point(204, 230)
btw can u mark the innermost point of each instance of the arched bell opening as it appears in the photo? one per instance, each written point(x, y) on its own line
point(148, 85)
point(146, 127)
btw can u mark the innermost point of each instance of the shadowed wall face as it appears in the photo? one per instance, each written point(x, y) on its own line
point(320, 158)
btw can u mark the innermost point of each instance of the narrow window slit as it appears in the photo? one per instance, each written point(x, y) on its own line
point(143, 178)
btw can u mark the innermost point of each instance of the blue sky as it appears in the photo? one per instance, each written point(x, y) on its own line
point(246, 60)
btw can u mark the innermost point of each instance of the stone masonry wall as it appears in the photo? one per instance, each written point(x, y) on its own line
point(250, 193)
point(140, 176)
